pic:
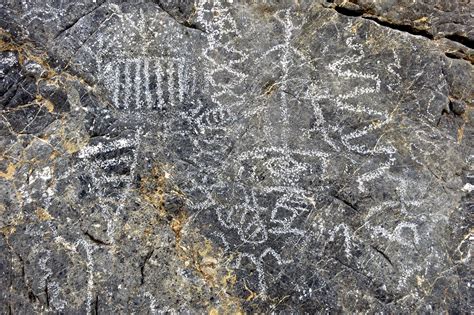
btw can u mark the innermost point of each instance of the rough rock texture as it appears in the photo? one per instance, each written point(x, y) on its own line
point(161, 156)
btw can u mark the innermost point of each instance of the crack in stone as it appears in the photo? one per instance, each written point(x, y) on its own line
point(347, 203)
point(142, 267)
point(96, 240)
point(385, 256)
point(71, 25)
point(463, 40)
point(184, 23)
point(405, 28)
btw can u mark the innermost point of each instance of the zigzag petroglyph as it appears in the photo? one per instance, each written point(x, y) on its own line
point(251, 218)
point(273, 172)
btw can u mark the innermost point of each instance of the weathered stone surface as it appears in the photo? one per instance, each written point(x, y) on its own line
point(162, 156)
point(437, 18)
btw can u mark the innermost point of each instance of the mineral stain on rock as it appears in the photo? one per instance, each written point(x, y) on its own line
point(236, 157)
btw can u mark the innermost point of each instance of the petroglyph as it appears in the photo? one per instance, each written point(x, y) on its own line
point(271, 199)
point(230, 157)
point(147, 84)
point(48, 285)
point(112, 165)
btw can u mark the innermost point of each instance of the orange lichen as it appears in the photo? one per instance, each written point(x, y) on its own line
point(43, 214)
point(25, 51)
point(10, 171)
point(194, 250)
point(45, 102)
point(252, 294)
point(460, 133)
point(7, 230)
point(152, 189)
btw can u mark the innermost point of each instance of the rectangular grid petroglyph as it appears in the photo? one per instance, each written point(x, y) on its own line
point(147, 84)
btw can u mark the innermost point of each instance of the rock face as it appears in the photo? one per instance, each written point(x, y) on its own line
point(171, 156)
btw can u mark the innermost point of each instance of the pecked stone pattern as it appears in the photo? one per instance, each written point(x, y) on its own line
point(210, 156)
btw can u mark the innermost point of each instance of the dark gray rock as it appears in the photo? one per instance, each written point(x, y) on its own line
point(458, 107)
point(436, 18)
point(209, 156)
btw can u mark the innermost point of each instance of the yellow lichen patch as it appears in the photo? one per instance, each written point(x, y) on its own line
point(45, 102)
point(460, 133)
point(419, 280)
point(423, 19)
point(465, 116)
point(7, 230)
point(147, 232)
point(355, 27)
point(72, 142)
point(422, 23)
point(264, 10)
point(422, 284)
point(376, 123)
point(7, 44)
point(10, 171)
point(193, 250)
point(71, 146)
point(25, 51)
point(53, 155)
point(152, 189)
point(43, 215)
point(13, 221)
point(252, 295)
point(229, 279)
point(211, 264)
point(28, 52)
point(270, 87)
point(208, 267)
point(213, 311)
point(177, 224)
